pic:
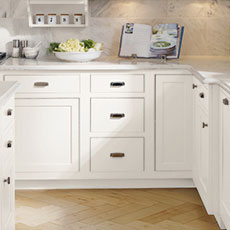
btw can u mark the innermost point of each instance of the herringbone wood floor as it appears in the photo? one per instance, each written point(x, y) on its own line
point(134, 209)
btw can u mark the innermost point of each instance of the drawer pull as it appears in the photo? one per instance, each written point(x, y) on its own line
point(117, 115)
point(117, 155)
point(41, 84)
point(194, 86)
point(117, 84)
point(7, 180)
point(201, 95)
point(9, 144)
point(225, 101)
point(9, 112)
point(204, 125)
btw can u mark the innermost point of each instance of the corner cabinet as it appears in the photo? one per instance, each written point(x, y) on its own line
point(201, 142)
point(173, 122)
point(225, 158)
point(7, 169)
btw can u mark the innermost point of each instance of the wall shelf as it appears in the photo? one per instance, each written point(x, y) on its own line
point(58, 7)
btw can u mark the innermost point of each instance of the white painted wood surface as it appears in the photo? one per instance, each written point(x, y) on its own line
point(117, 83)
point(132, 150)
point(131, 112)
point(225, 159)
point(173, 122)
point(46, 84)
point(7, 161)
point(47, 134)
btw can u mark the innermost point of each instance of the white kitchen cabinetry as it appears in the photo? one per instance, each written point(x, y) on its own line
point(225, 158)
point(202, 159)
point(115, 137)
point(173, 122)
point(7, 142)
point(47, 133)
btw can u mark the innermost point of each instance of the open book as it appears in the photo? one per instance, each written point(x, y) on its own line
point(145, 41)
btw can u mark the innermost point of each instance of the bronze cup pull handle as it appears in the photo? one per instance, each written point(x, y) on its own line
point(117, 115)
point(117, 84)
point(117, 155)
point(41, 84)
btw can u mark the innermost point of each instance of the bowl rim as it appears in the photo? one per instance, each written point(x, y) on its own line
point(96, 51)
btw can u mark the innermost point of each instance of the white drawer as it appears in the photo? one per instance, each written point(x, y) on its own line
point(117, 83)
point(7, 113)
point(117, 154)
point(46, 84)
point(117, 115)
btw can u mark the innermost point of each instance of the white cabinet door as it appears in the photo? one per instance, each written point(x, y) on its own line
point(225, 160)
point(201, 153)
point(173, 122)
point(47, 134)
point(7, 197)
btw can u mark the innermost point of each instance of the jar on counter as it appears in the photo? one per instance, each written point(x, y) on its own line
point(24, 44)
point(16, 49)
point(40, 19)
point(64, 19)
point(52, 19)
point(78, 19)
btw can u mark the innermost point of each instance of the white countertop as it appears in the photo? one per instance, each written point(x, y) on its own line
point(7, 89)
point(208, 69)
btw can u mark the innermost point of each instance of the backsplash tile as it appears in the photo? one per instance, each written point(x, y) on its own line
point(207, 24)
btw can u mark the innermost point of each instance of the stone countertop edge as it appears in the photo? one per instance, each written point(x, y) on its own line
point(7, 89)
point(209, 70)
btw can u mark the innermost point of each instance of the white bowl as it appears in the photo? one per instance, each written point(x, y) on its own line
point(31, 53)
point(78, 56)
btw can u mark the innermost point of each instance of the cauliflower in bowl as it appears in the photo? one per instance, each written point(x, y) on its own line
point(75, 45)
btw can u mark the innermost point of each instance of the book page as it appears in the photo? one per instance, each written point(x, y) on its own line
point(135, 40)
point(165, 41)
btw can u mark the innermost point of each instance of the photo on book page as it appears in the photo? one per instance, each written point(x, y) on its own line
point(164, 40)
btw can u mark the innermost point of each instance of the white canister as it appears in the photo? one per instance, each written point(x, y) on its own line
point(52, 19)
point(40, 19)
point(64, 19)
point(77, 19)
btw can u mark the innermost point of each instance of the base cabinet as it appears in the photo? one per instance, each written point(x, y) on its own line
point(173, 122)
point(201, 142)
point(225, 158)
point(201, 154)
point(47, 134)
point(7, 168)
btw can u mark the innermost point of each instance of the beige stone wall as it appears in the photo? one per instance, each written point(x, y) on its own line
point(207, 23)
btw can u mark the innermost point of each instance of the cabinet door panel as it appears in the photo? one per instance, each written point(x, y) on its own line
point(173, 122)
point(201, 153)
point(7, 196)
point(47, 135)
point(225, 162)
